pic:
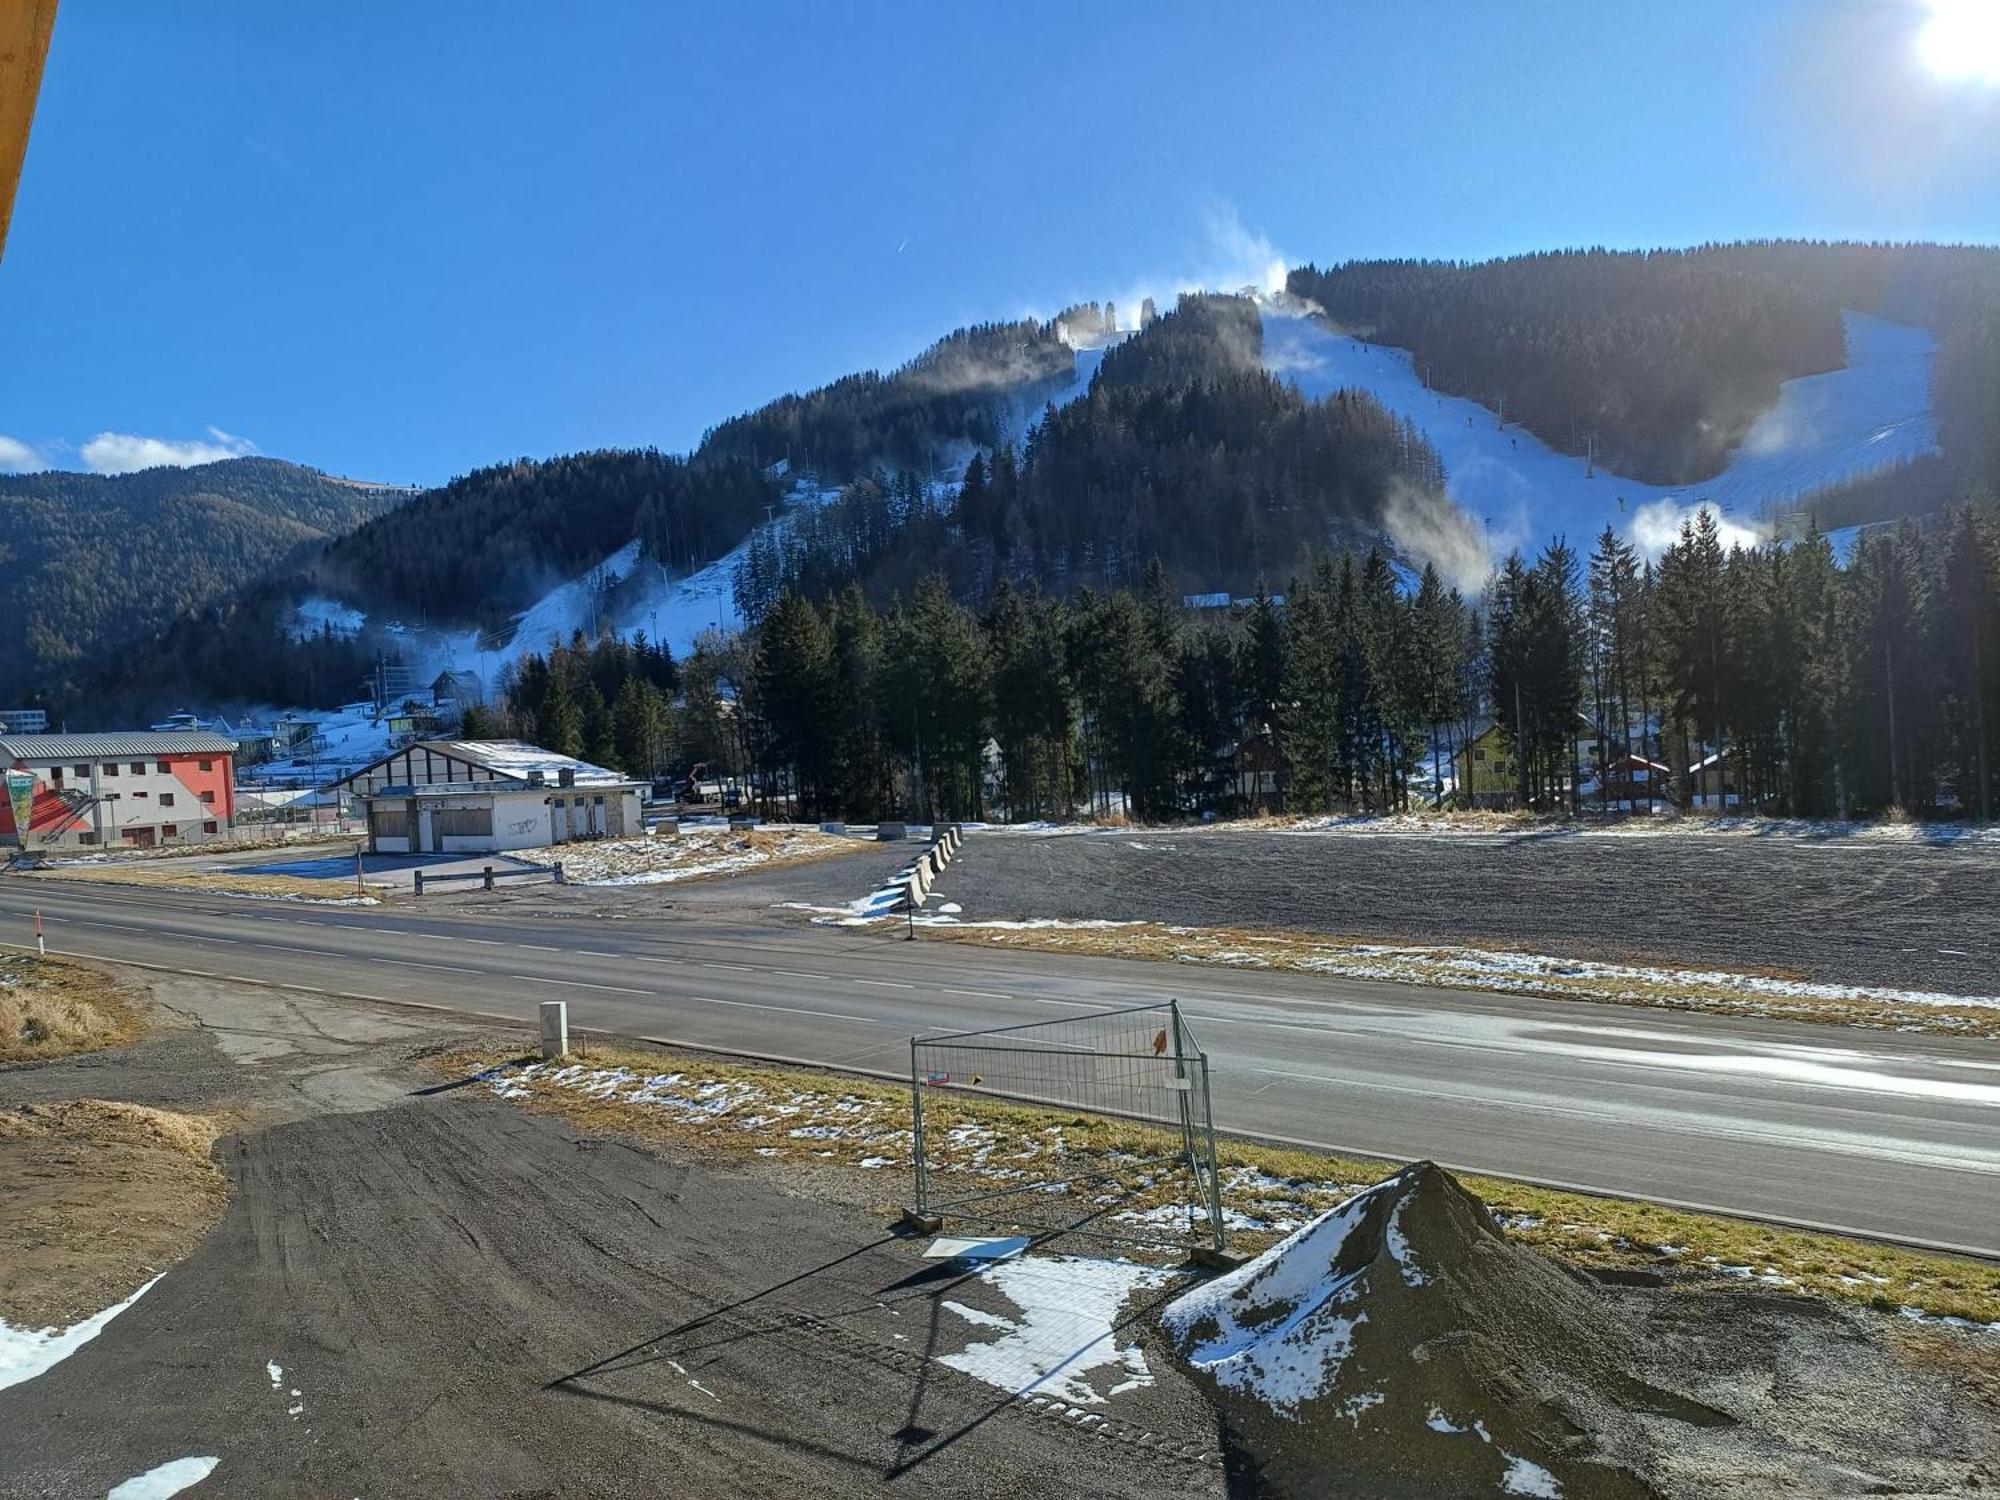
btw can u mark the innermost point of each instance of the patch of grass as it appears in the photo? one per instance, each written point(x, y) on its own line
point(816, 1120)
point(1462, 967)
point(99, 1195)
point(52, 1008)
point(214, 882)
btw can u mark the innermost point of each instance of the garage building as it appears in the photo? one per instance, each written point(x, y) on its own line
point(486, 796)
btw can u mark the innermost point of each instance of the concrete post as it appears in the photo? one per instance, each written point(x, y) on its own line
point(559, 874)
point(418, 877)
point(489, 877)
point(555, 1028)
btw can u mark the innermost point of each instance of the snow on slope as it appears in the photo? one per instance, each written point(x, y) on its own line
point(1823, 428)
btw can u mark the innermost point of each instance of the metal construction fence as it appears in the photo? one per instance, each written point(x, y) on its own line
point(1140, 1064)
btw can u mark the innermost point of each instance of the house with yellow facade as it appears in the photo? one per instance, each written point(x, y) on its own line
point(1485, 770)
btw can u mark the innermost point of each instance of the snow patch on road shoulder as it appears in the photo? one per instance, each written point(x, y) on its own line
point(28, 1352)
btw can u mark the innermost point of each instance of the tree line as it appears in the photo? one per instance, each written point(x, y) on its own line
point(1775, 676)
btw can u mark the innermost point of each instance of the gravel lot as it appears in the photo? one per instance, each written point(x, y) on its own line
point(1838, 911)
point(465, 1300)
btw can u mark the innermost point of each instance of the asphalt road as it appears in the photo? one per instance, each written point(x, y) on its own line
point(1883, 1134)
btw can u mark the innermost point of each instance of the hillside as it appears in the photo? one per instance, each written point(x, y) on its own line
point(1233, 440)
point(1659, 363)
point(88, 562)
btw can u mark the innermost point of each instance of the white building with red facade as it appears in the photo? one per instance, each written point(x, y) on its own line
point(131, 790)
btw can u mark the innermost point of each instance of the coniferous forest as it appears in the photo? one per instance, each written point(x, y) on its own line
point(1827, 690)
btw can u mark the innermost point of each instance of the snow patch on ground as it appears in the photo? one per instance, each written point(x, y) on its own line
point(168, 1479)
point(1066, 1329)
point(1482, 968)
point(693, 853)
point(28, 1352)
point(1294, 1353)
point(318, 615)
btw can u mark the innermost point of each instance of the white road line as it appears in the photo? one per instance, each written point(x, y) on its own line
point(790, 1010)
point(981, 994)
point(798, 974)
point(596, 953)
point(536, 947)
point(733, 968)
point(884, 984)
point(584, 984)
point(486, 942)
point(409, 963)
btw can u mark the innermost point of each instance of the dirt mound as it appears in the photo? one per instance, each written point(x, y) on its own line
point(1400, 1345)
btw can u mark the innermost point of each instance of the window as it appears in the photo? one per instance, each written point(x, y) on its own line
point(1479, 755)
point(83, 773)
point(168, 830)
point(163, 768)
point(55, 774)
point(110, 768)
point(166, 798)
point(86, 838)
point(204, 765)
point(138, 768)
point(140, 794)
point(208, 796)
point(465, 822)
point(208, 828)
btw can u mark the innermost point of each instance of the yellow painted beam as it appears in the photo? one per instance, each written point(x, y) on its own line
point(25, 27)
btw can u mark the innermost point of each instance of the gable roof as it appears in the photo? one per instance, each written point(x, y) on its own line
point(514, 761)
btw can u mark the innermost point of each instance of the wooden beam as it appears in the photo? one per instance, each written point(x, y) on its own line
point(25, 28)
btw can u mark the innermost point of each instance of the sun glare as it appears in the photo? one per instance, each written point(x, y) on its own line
point(1961, 40)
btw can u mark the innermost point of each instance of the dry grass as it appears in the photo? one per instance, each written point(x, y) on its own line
point(214, 882)
point(689, 854)
point(52, 1008)
point(100, 1196)
point(1969, 1365)
point(827, 1124)
point(1456, 967)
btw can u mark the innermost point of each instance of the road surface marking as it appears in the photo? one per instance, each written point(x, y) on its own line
point(733, 968)
point(583, 984)
point(799, 974)
point(597, 953)
point(884, 984)
point(410, 963)
point(484, 942)
point(790, 1010)
point(981, 994)
point(536, 947)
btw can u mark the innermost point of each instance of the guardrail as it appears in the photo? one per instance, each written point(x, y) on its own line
point(488, 876)
point(930, 864)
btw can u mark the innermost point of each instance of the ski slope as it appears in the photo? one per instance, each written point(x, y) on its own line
point(1874, 412)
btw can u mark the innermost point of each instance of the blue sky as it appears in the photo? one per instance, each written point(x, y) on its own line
point(401, 241)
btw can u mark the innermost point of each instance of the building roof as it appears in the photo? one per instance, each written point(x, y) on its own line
point(518, 759)
point(508, 762)
point(139, 742)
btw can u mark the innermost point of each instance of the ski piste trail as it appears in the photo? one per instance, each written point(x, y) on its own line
point(1872, 413)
